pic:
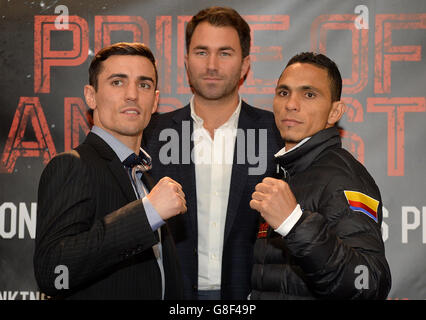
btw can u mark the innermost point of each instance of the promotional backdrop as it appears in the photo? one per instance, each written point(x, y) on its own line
point(46, 48)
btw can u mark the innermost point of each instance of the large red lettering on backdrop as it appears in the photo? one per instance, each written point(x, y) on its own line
point(359, 43)
point(359, 75)
point(260, 23)
point(30, 111)
point(396, 108)
point(104, 25)
point(386, 52)
point(163, 40)
point(45, 58)
point(74, 119)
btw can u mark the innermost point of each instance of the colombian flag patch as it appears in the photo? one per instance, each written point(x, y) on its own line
point(363, 203)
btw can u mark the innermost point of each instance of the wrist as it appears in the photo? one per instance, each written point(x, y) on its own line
point(289, 222)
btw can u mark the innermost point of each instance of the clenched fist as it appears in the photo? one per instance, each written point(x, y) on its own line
point(167, 198)
point(274, 200)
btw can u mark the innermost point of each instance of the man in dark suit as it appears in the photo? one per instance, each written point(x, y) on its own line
point(218, 148)
point(101, 231)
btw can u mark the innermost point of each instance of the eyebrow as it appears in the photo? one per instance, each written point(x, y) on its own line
point(227, 48)
point(125, 76)
point(309, 88)
point(282, 86)
point(117, 75)
point(202, 47)
point(303, 87)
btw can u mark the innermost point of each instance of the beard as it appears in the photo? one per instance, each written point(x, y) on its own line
point(224, 87)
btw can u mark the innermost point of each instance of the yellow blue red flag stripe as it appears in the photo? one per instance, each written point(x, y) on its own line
point(359, 201)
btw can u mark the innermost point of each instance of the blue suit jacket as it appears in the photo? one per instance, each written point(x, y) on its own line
point(242, 222)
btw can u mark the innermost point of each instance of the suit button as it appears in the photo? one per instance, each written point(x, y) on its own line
point(195, 251)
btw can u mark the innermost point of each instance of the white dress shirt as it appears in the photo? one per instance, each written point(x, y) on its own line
point(213, 160)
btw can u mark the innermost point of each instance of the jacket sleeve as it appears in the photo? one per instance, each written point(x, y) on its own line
point(341, 250)
point(69, 233)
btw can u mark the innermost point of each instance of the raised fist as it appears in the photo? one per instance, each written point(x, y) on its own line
point(167, 198)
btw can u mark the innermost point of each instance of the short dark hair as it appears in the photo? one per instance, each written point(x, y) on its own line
point(123, 49)
point(221, 17)
point(323, 62)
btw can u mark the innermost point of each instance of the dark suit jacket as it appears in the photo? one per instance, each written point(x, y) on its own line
point(89, 220)
point(241, 221)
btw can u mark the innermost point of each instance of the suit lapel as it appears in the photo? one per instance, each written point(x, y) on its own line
point(114, 164)
point(123, 180)
point(239, 171)
point(117, 169)
point(186, 171)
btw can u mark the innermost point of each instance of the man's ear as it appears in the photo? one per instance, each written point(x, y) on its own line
point(245, 68)
point(156, 101)
point(90, 96)
point(338, 108)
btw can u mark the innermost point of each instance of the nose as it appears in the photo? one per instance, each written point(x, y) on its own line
point(212, 62)
point(131, 92)
point(292, 103)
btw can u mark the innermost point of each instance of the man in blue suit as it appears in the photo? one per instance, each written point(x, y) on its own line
point(218, 148)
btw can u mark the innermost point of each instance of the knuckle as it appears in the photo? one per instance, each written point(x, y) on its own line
point(178, 203)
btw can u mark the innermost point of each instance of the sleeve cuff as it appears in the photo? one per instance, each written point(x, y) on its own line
point(154, 218)
point(290, 222)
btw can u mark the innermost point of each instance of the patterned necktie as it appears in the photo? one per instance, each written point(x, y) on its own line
point(136, 163)
point(143, 161)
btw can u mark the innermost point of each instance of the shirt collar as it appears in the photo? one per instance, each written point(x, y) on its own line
point(121, 150)
point(231, 122)
point(283, 151)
